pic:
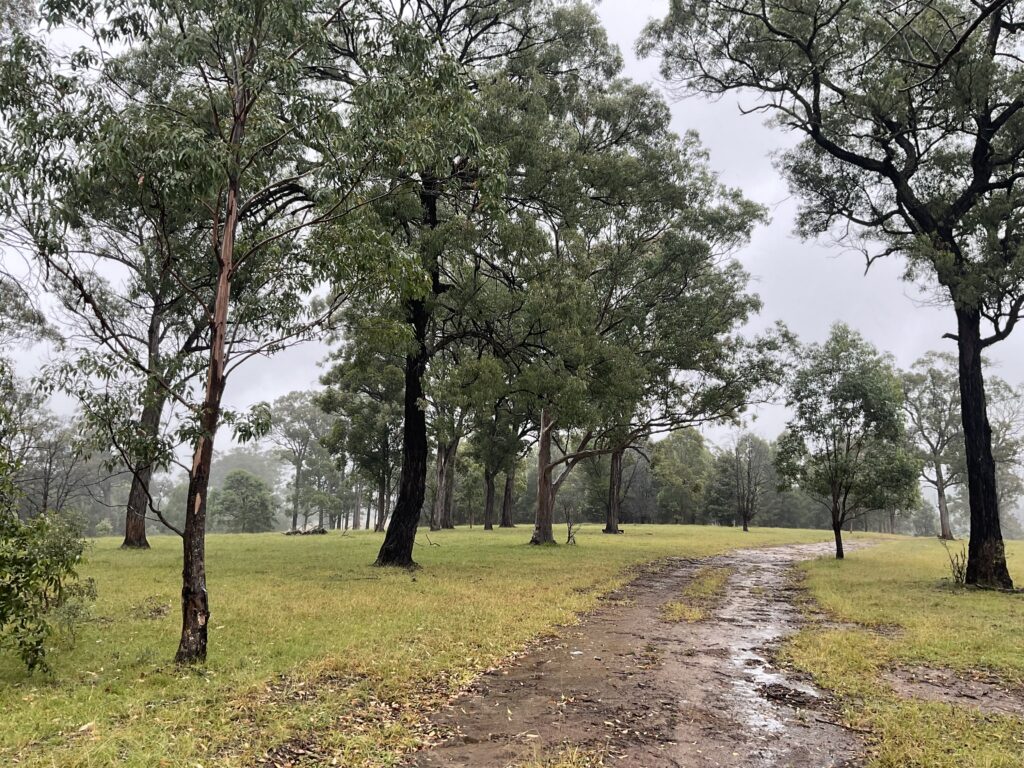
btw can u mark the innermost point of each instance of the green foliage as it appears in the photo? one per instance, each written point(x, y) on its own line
point(298, 611)
point(39, 587)
point(681, 463)
point(845, 443)
point(910, 119)
point(244, 504)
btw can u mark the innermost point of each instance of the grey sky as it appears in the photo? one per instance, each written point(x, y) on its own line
point(809, 286)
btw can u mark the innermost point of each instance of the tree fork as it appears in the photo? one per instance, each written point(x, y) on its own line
point(506, 499)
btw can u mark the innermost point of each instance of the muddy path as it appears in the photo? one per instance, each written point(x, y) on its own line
point(649, 692)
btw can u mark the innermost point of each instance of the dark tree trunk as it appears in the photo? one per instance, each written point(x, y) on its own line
point(506, 499)
point(614, 494)
point(358, 510)
point(746, 521)
point(489, 500)
point(382, 501)
point(542, 530)
point(138, 496)
point(295, 499)
point(138, 503)
point(412, 482)
point(447, 484)
point(837, 529)
point(986, 558)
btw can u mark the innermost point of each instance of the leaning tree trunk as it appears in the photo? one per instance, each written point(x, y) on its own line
point(506, 499)
point(412, 482)
point(138, 496)
point(945, 530)
point(986, 557)
point(614, 494)
point(542, 530)
point(195, 609)
point(489, 499)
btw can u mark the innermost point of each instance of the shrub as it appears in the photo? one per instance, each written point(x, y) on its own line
point(39, 589)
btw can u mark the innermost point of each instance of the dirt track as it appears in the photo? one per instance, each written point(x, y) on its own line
point(652, 693)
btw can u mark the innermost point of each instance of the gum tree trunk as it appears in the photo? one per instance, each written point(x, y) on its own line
point(195, 610)
point(382, 501)
point(614, 494)
point(542, 532)
point(837, 529)
point(401, 534)
point(489, 499)
point(295, 498)
point(945, 530)
point(412, 484)
point(138, 496)
point(506, 499)
point(986, 558)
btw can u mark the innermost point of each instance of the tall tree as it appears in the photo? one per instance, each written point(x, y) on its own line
point(740, 480)
point(845, 444)
point(931, 402)
point(364, 389)
point(911, 120)
point(297, 427)
point(244, 504)
point(681, 464)
point(266, 161)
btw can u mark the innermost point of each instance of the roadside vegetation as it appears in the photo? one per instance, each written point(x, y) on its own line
point(312, 642)
point(909, 613)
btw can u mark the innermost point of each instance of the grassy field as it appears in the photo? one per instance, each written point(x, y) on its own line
point(912, 615)
point(309, 644)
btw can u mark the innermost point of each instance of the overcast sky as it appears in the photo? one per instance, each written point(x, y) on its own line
point(808, 286)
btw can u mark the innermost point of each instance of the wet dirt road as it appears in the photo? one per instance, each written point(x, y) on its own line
point(651, 693)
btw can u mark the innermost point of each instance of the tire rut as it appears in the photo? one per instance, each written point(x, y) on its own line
point(647, 692)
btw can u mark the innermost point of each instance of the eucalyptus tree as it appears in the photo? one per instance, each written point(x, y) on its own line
point(651, 301)
point(681, 464)
point(364, 394)
point(911, 125)
point(508, 50)
point(244, 504)
point(741, 479)
point(298, 426)
point(845, 444)
point(262, 155)
point(932, 406)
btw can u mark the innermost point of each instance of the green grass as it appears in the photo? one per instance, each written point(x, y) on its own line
point(912, 615)
point(700, 596)
point(308, 641)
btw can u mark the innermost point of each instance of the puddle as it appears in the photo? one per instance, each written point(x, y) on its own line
point(658, 694)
